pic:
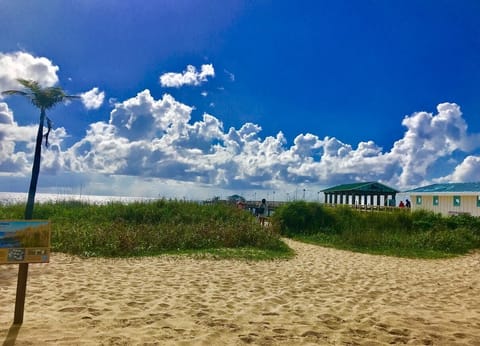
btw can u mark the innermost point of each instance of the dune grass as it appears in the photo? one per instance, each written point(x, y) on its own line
point(152, 228)
point(400, 233)
point(221, 231)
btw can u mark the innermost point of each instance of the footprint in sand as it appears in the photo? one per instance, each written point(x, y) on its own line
point(201, 314)
point(269, 314)
point(135, 304)
point(248, 339)
point(400, 332)
point(94, 312)
point(460, 335)
point(73, 309)
point(279, 330)
point(312, 334)
point(332, 321)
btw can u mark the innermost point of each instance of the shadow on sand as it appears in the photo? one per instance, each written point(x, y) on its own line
point(12, 335)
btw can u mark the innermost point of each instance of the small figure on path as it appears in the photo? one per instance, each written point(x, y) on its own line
point(407, 203)
point(262, 212)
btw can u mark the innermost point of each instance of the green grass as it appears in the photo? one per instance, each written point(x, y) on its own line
point(397, 233)
point(154, 228)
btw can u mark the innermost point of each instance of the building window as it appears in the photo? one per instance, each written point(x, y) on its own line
point(456, 201)
point(419, 200)
point(435, 200)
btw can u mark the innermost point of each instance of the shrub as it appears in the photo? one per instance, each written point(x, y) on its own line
point(301, 218)
point(396, 232)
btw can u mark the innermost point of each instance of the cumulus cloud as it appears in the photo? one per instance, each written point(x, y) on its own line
point(143, 117)
point(13, 137)
point(26, 66)
point(157, 139)
point(188, 77)
point(93, 99)
point(466, 171)
point(428, 138)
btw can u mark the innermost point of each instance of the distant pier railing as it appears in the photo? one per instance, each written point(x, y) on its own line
point(367, 207)
point(252, 205)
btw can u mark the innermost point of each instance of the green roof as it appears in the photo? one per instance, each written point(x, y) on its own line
point(365, 187)
point(452, 187)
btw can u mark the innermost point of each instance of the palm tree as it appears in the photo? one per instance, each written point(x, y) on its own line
point(42, 98)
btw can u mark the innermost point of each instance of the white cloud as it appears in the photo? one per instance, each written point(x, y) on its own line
point(466, 171)
point(24, 65)
point(143, 117)
point(155, 140)
point(6, 115)
point(188, 77)
point(93, 99)
point(428, 138)
point(12, 160)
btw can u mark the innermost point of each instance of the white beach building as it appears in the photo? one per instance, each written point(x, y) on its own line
point(447, 199)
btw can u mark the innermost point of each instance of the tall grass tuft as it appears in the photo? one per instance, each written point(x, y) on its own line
point(150, 228)
point(400, 233)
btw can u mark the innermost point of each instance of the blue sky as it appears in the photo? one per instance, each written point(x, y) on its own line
point(202, 98)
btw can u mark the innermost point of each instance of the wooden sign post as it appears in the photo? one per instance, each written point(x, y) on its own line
point(21, 293)
point(24, 242)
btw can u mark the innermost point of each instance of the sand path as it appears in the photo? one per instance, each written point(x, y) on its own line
point(323, 296)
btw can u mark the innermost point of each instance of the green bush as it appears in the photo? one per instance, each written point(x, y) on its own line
point(301, 218)
point(404, 233)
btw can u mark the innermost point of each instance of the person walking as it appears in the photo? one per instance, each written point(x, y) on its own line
point(262, 212)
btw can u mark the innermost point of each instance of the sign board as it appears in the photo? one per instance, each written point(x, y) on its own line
point(26, 241)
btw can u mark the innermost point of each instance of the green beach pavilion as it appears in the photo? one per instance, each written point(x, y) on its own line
point(367, 193)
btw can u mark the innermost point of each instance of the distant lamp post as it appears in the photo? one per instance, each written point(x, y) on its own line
point(303, 194)
point(318, 196)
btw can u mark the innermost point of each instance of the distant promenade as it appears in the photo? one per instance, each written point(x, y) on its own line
point(251, 205)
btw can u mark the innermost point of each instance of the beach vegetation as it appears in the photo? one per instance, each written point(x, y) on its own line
point(419, 234)
point(158, 227)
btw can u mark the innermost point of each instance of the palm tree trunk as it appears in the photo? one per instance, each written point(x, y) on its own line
point(35, 169)
point(23, 267)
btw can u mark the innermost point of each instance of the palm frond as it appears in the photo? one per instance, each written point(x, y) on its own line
point(41, 97)
point(14, 92)
point(29, 84)
point(73, 97)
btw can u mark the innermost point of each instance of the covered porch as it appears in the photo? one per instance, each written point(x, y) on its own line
point(361, 194)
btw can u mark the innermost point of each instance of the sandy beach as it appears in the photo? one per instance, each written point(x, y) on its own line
point(321, 297)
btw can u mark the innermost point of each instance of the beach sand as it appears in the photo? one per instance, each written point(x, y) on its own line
point(322, 297)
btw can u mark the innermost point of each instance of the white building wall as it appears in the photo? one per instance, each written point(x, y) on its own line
point(446, 207)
